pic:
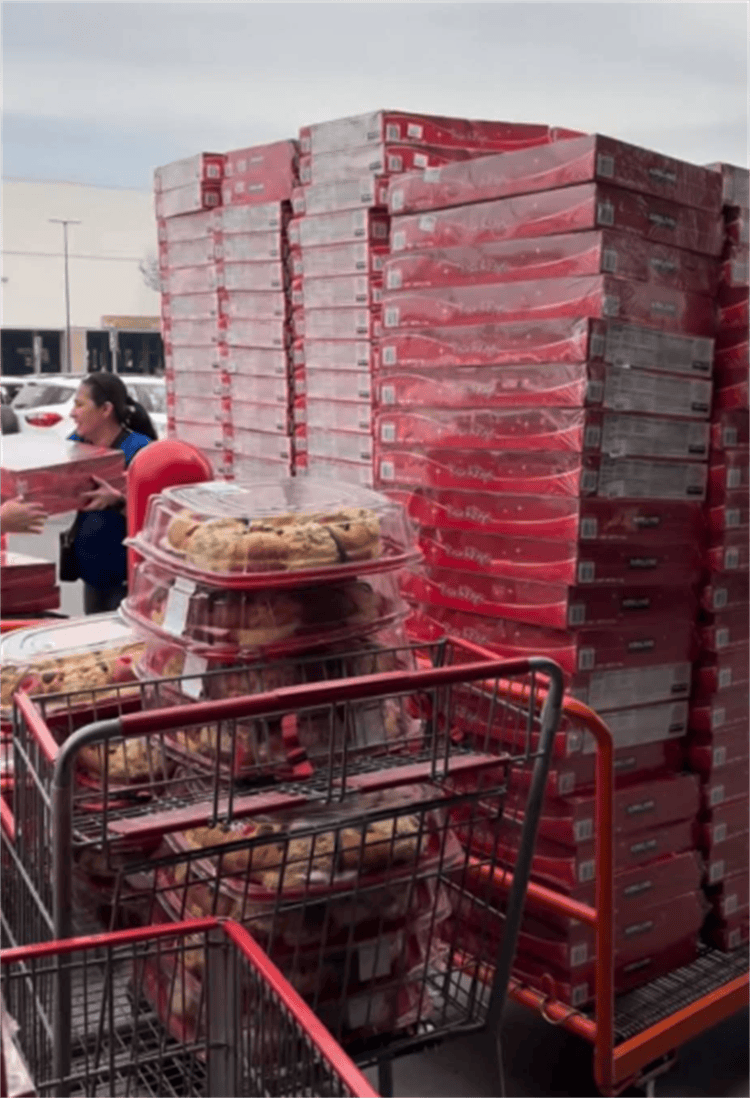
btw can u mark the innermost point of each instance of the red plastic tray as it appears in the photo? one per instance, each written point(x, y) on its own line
point(561, 340)
point(546, 299)
point(567, 209)
point(560, 165)
point(600, 251)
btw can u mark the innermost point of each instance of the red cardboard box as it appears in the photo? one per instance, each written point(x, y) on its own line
point(334, 385)
point(585, 650)
point(193, 226)
point(728, 552)
point(189, 199)
point(544, 604)
point(186, 253)
point(270, 333)
point(722, 823)
point(560, 561)
point(344, 415)
point(725, 591)
point(728, 858)
point(252, 304)
point(356, 324)
point(735, 267)
point(547, 429)
point(418, 129)
point(264, 218)
point(734, 307)
point(201, 168)
point(254, 188)
point(568, 209)
point(349, 472)
point(561, 340)
point(710, 713)
point(339, 259)
point(377, 161)
point(192, 359)
point(54, 472)
point(188, 280)
point(569, 255)
point(343, 291)
point(652, 522)
point(339, 228)
point(261, 444)
point(735, 184)
point(263, 276)
point(717, 672)
point(729, 935)
point(725, 629)
point(253, 361)
point(551, 385)
point(189, 306)
point(729, 430)
point(250, 247)
point(327, 443)
point(737, 224)
point(561, 164)
point(710, 759)
point(340, 354)
point(277, 158)
point(341, 194)
point(22, 572)
point(550, 298)
point(727, 785)
point(727, 475)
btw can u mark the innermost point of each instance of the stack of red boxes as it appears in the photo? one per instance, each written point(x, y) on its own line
point(544, 391)
point(719, 707)
point(187, 186)
point(226, 310)
point(339, 240)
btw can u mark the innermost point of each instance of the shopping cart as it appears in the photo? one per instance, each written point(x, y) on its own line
point(391, 779)
point(249, 1032)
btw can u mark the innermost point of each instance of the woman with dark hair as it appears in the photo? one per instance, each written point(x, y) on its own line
point(106, 415)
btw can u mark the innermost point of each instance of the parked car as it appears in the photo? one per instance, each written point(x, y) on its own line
point(45, 403)
point(10, 384)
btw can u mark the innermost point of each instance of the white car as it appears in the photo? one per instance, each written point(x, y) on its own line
point(45, 402)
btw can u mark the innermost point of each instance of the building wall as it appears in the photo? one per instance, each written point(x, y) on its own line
point(117, 231)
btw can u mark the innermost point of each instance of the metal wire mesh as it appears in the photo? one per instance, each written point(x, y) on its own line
point(126, 1037)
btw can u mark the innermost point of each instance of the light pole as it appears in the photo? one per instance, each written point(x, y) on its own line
point(65, 222)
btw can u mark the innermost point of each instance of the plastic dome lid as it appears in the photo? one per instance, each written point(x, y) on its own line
point(275, 533)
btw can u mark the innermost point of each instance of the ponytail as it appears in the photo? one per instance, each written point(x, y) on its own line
point(128, 412)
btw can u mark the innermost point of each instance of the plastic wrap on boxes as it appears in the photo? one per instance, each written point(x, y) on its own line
point(261, 276)
point(344, 291)
point(348, 193)
point(718, 671)
point(725, 629)
point(188, 280)
point(731, 515)
point(725, 591)
point(553, 384)
point(253, 361)
point(728, 474)
point(652, 522)
point(553, 429)
point(271, 333)
point(201, 168)
point(188, 306)
point(420, 129)
point(729, 898)
point(55, 472)
point(249, 247)
point(568, 209)
point(665, 641)
point(734, 184)
point(568, 255)
point(561, 340)
point(729, 429)
point(187, 253)
point(353, 257)
point(188, 199)
point(343, 445)
point(728, 858)
point(711, 713)
point(728, 552)
point(340, 354)
point(378, 162)
point(268, 217)
point(252, 305)
point(336, 324)
point(339, 228)
point(559, 561)
point(734, 307)
point(561, 164)
point(550, 298)
point(545, 604)
point(194, 226)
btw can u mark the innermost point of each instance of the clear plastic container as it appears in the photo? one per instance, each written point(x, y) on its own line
point(88, 653)
point(213, 619)
point(287, 532)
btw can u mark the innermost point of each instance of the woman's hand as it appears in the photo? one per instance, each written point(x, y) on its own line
point(19, 517)
point(101, 497)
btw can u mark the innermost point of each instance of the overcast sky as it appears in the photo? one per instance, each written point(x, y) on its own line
point(102, 93)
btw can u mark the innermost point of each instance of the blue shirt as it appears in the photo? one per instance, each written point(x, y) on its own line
point(101, 555)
